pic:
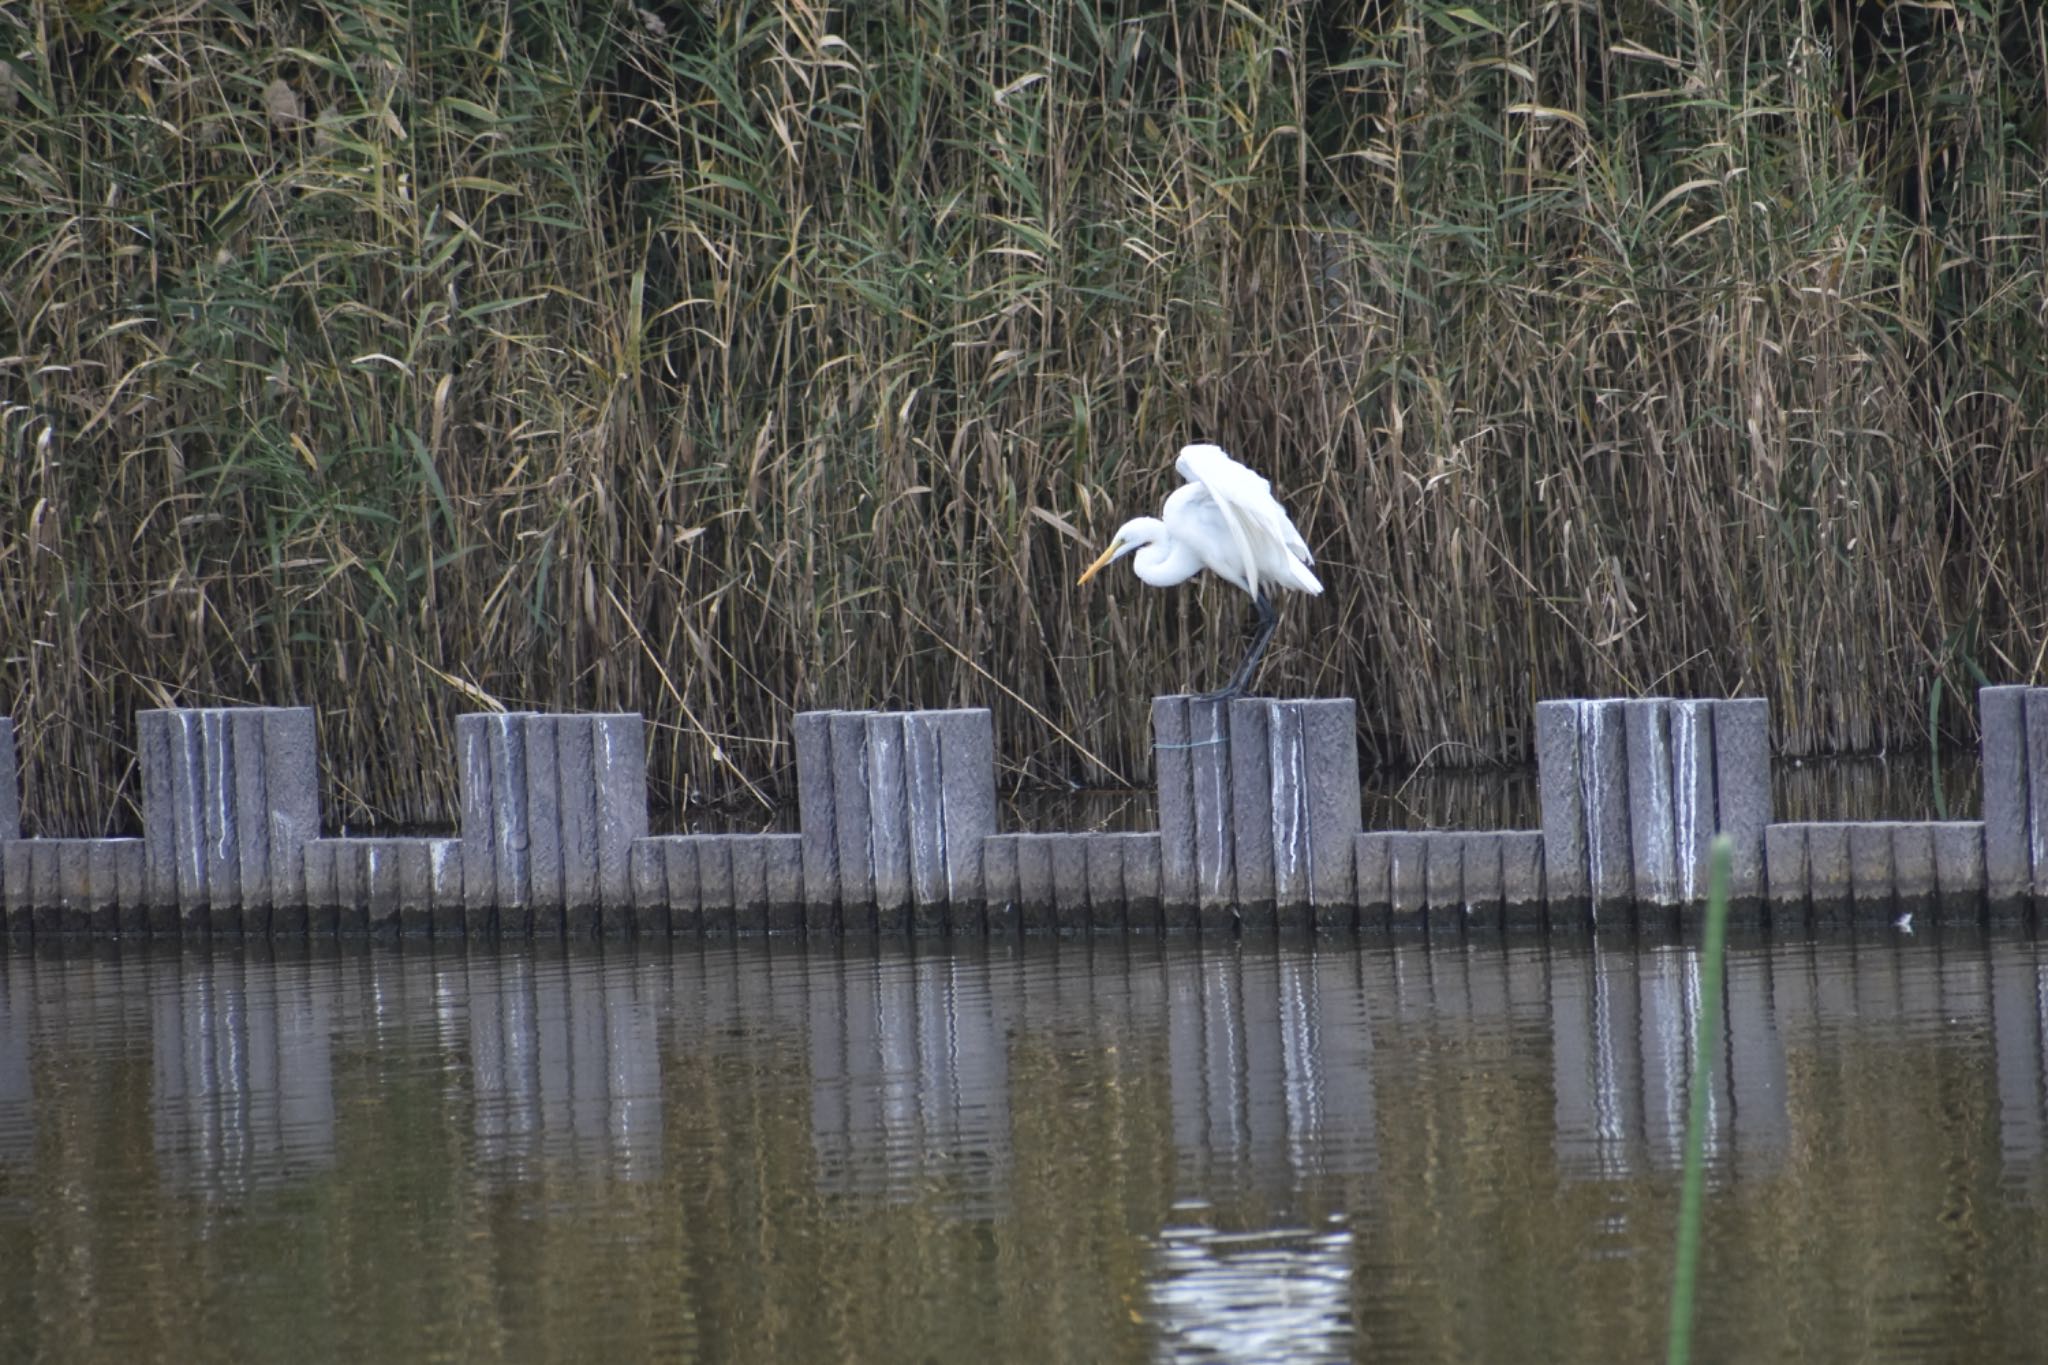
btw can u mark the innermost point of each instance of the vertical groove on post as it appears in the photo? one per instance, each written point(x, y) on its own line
point(251, 803)
point(1913, 864)
point(291, 788)
point(1742, 790)
point(999, 883)
point(188, 820)
point(1603, 787)
point(1653, 800)
point(1209, 769)
point(444, 876)
point(817, 820)
point(1482, 873)
point(784, 871)
point(925, 826)
point(750, 904)
point(1329, 739)
point(1106, 897)
point(715, 884)
point(619, 759)
point(1559, 791)
point(576, 771)
point(2003, 754)
point(508, 826)
point(1253, 831)
point(888, 820)
point(1373, 851)
point(1872, 879)
point(2036, 708)
point(1443, 884)
point(1695, 811)
point(1959, 870)
point(1785, 871)
point(967, 780)
point(850, 803)
point(159, 840)
point(685, 895)
point(10, 782)
point(217, 797)
point(476, 813)
point(1174, 782)
point(1521, 878)
point(650, 889)
point(543, 824)
point(1291, 786)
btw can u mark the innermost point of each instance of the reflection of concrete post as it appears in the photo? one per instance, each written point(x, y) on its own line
point(2015, 755)
point(230, 797)
point(894, 807)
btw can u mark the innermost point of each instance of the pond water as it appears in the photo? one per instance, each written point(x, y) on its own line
point(1080, 1150)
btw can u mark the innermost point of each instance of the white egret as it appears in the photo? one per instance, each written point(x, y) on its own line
point(1226, 520)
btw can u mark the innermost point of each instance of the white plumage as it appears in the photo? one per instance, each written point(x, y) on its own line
point(1226, 520)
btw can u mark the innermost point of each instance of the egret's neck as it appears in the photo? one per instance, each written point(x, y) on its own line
point(1165, 562)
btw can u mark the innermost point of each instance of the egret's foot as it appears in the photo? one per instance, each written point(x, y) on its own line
point(1231, 693)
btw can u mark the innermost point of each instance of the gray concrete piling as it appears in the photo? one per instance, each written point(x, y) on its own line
point(1632, 792)
point(230, 798)
point(894, 808)
point(2015, 751)
point(1258, 831)
point(1258, 808)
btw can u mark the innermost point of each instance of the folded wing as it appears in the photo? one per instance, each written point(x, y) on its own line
point(1264, 535)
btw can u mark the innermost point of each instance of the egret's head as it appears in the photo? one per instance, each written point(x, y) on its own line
point(1132, 534)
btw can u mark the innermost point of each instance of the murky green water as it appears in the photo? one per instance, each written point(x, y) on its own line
point(1072, 1151)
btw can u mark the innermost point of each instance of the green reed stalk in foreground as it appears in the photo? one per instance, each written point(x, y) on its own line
point(1685, 1272)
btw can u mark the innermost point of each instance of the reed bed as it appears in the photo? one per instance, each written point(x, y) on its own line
point(719, 360)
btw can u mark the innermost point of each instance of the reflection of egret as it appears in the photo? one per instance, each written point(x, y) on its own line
point(1226, 520)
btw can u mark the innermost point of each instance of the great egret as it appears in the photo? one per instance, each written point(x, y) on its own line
point(1226, 520)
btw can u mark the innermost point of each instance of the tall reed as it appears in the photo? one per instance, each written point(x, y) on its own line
point(718, 361)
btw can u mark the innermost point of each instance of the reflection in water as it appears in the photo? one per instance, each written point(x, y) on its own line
point(564, 1065)
point(1269, 1063)
point(17, 1087)
point(242, 1082)
point(1282, 1294)
point(909, 1082)
point(1107, 1149)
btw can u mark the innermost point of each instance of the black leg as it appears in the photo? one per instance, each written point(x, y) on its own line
point(1269, 620)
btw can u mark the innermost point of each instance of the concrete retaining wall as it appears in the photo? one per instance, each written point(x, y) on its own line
point(1258, 829)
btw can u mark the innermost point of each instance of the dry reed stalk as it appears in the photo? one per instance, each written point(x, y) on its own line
point(720, 361)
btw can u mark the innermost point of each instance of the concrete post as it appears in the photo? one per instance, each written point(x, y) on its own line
point(230, 798)
point(551, 807)
point(1959, 869)
point(2014, 722)
point(1583, 787)
point(1258, 808)
point(1633, 792)
point(1742, 791)
point(893, 808)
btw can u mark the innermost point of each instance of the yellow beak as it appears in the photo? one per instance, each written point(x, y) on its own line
point(1098, 565)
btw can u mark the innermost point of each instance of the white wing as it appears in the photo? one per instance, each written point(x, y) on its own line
point(1264, 536)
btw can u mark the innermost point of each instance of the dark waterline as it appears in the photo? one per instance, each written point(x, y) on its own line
point(1079, 1150)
